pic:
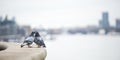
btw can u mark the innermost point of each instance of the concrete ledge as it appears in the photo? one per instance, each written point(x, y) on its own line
point(12, 51)
point(3, 46)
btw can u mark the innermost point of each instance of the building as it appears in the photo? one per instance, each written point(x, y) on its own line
point(0, 18)
point(92, 29)
point(11, 31)
point(104, 22)
point(27, 29)
point(118, 25)
point(8, 27)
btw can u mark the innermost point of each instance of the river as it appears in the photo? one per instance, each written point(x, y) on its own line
point(84, 47)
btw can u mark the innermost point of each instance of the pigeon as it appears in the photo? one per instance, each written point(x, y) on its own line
point(29, 40)
point(38, 40)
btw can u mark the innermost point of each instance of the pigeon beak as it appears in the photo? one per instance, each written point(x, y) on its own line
point(22, 46)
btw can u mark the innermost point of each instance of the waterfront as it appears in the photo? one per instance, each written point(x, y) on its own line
point(84, 47)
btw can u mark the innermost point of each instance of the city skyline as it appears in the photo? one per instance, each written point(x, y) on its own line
point(63, 13)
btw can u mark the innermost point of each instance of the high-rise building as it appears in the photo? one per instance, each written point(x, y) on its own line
point(118, 25)
point(104, 22)
point(105, 19)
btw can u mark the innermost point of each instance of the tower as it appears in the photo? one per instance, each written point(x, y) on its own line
point(118, 25)
point(104, 22)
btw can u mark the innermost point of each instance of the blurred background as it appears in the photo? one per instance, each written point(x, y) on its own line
point(71, 29)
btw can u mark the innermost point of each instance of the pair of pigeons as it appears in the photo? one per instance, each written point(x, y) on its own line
point(33, 37)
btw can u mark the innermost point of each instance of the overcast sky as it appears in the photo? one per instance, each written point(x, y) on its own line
point(59, 13)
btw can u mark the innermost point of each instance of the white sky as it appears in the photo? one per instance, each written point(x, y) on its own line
point(59, 13)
